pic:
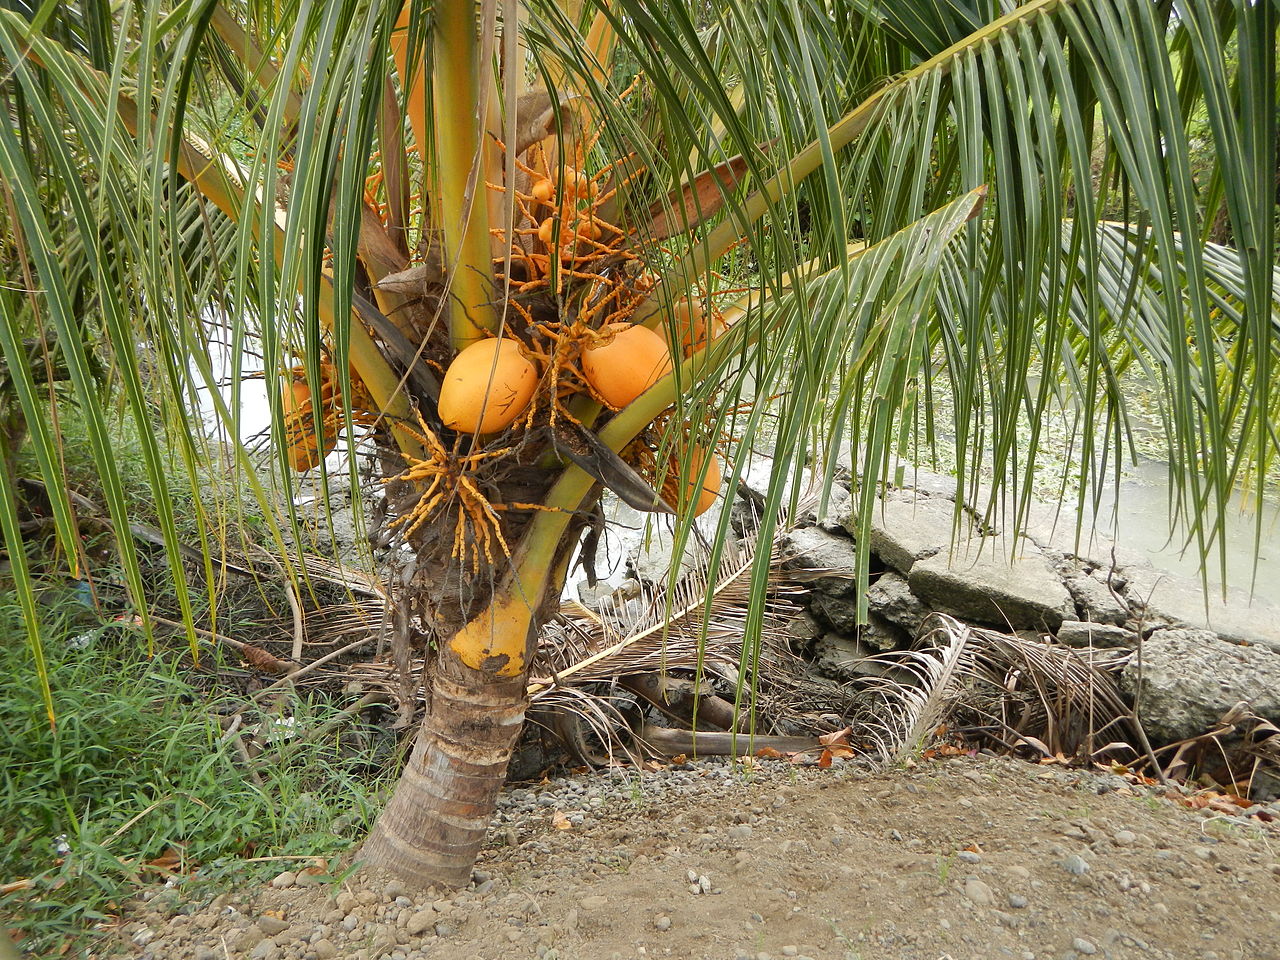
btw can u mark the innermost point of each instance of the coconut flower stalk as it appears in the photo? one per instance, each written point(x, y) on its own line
point(538, 250)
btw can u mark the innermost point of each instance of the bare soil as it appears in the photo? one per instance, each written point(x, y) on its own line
point(959, 859)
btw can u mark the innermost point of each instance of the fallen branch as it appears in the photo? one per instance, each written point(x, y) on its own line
point(673, 743)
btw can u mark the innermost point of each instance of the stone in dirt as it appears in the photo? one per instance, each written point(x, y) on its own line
point(1185, 680)
point(980, 582)
point(270, 926)
point(1077, 633)
point(891, 597)
point(1181, 601)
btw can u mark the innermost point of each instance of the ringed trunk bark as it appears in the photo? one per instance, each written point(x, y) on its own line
point(432, 830)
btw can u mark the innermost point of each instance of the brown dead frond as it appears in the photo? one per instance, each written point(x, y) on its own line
point(1002, 691)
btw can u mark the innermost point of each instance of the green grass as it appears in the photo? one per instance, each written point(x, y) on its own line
point(136, 768)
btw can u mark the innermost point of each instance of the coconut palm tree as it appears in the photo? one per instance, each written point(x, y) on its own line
point(537, 249)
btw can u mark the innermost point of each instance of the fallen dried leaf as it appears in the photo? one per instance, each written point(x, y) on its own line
point(836, 737)
point(560, 821)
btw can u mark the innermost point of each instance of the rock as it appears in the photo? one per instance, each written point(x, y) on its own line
point(1187, 679)
point(1095, 601)
point(206, 952)
point(1124, 838)
point(979, 892)
point(594, 597)
point(837, 506)
point(810, 548)
point(979, 582)
point(1181, 601)
point(662, 923)
point(324, 950)
point(1017, 901)
point(804, 627)
point(968, 856)
point(286, 879)
point(346, 902)
point(907, 527)
point(891, 598)
point(879, 634)
point(1078, 633)
point(1081, 945)
point(270, 926)
point(593, 902)
point(840, 658)
point(393, 889)
point(249, 939)
point(838, 613)
point(1075, 865)
point(265, 950)
point(420, 921)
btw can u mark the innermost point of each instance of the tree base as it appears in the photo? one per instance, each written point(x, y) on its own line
point(432, 830)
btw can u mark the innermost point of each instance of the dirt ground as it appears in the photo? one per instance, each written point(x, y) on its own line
point(965, 858)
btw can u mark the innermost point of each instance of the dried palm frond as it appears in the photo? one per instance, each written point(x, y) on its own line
point(900, 714)
point(1002, 689)
point(699, 624)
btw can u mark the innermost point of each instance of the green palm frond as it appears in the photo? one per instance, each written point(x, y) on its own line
point(166, 167)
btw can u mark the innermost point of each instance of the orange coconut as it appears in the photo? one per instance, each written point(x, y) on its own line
point(488, 385)
point(692, 327)
point(710, 489)
point(628, 365)
point(304, 449)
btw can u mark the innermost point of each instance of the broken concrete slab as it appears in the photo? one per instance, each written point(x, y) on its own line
point(1185, 679)
point(812, 548)
point(1078, 633)
point(1167, 597)
point(986, 582)
point(1095, 601)
point(907, 527)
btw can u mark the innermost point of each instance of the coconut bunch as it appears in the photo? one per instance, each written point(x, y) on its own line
point(584, 332)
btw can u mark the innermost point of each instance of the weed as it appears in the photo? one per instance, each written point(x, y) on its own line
point(134, 783)
point(944, 867)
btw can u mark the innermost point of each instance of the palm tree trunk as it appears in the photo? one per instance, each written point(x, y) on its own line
point(432, 830)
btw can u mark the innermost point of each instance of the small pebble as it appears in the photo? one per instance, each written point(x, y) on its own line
point(968, 856)
point(1017, 901)
point(1081, 945)
point(1075, 865)
point(978, 891)
point(284, 880)
point(270, 926)
point(790, 951)
point(662, 923)
point(1125, 838)
point(420, 921)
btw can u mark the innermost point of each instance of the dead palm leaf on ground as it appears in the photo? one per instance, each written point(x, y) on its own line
point(1000, 690)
